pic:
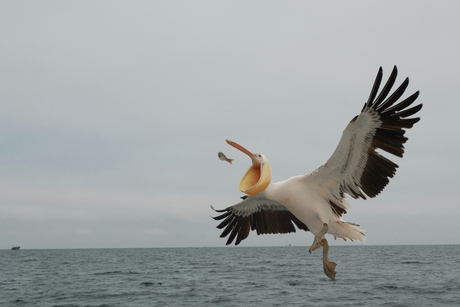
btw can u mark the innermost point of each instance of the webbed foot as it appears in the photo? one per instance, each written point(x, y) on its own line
point(328, 266)
point(329, 269)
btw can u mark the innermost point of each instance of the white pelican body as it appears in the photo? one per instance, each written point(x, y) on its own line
point(301, 196)
point(316, 202)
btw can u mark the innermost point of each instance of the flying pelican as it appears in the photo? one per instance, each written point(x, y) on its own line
point(316, 202)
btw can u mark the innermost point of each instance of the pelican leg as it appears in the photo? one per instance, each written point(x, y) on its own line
point(328, 266)
point(317, 240)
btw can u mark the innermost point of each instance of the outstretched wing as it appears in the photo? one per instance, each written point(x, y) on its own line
point(259, 214)
point(355, 167)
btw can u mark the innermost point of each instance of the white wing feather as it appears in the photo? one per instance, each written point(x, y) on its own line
point(355, 167)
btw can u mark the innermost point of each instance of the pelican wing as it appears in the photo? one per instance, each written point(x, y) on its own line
point(355, 167)
point(259, 214)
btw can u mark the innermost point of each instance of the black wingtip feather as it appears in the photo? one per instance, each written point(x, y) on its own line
point(394, 97)
point(375, 88)
point(390, 136)
point(386, 89)
point(265, 220)
point(410, 111)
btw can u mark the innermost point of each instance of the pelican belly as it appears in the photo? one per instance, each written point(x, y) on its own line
point(305, 204)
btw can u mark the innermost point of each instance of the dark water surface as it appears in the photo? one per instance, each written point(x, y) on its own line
point(228, 276)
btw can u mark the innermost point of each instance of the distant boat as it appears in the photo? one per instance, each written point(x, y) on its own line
point(15, 247)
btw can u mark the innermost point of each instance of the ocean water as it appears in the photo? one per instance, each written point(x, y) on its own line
point(231, 276)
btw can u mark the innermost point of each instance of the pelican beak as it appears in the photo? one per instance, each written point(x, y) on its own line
point(257, 177)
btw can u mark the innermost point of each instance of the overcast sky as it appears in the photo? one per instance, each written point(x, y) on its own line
point(112, 114)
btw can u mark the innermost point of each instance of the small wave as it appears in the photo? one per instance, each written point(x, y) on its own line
point(294, 283)
point(415, 262)
point(390, 287)
point(220, 300)
point(115, 273)
point(108, 273)
point(151, 284)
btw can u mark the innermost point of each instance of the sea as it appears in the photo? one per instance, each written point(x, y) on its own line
point(367, 275)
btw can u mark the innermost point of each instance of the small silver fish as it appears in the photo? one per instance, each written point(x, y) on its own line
point(224, 158)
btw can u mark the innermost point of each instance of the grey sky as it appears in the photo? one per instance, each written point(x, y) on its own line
point(112, 114)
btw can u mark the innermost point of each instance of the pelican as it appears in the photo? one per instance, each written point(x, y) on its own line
point(316, 202)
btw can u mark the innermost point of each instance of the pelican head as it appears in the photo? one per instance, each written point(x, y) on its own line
point(258, 176)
